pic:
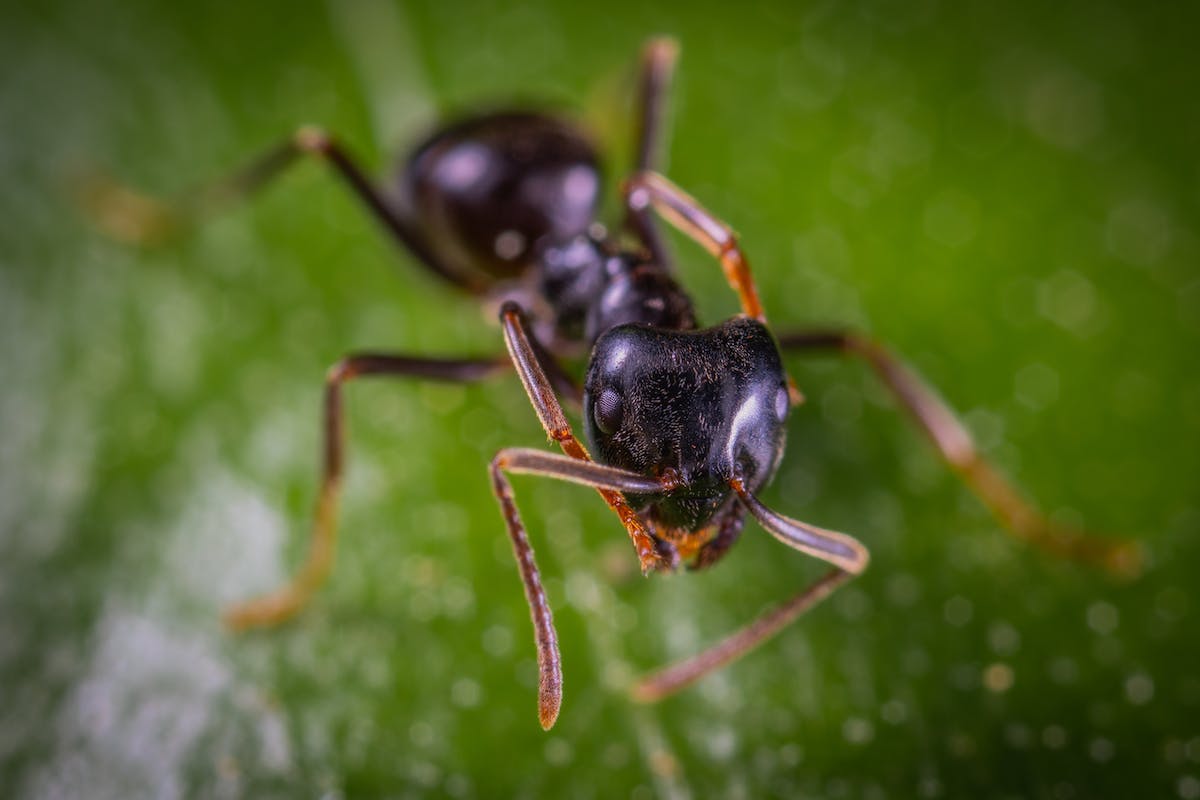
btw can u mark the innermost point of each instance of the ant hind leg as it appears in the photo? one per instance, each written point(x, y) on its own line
point(136, 218)
point(657, 68)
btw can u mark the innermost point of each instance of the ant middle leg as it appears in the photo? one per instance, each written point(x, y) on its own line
point(657, 68)
point(285, 602)
point(132, 217)
point(653, 554)
point(956, 446)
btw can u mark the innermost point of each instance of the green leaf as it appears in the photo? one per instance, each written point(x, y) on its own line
point(1005, 194)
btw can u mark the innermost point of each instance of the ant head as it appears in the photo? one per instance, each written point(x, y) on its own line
point(708, 405)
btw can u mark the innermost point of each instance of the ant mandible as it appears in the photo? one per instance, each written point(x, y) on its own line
point(686, 423)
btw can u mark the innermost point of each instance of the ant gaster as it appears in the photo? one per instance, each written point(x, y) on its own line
point(686, 423)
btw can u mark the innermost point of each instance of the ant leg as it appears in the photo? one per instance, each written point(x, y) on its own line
point(683, 211)
point(285, 602)
point(657, 68)
point(846, 553)
point(132, 217)
point(957, 448)
point(517, 460)
point(563, 383)
point(136, 218)
point(653, 554)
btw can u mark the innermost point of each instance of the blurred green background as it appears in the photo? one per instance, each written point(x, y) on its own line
point(1006, 193)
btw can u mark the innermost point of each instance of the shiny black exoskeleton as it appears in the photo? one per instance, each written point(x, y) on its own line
point(709, 405)
point(514, 195)
point(489, 190)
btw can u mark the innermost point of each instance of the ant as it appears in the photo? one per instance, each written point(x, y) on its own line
point(687, 423)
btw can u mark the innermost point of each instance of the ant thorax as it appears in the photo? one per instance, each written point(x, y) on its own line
point(593, 287)
point(707, 405)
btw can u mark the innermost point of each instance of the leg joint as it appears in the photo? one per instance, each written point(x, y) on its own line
point(343, 370)
point(312, 139)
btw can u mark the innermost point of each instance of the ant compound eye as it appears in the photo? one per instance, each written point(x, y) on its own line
point(609, 411)
point(783, 402)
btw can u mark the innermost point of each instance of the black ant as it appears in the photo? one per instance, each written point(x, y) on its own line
point(686, 423)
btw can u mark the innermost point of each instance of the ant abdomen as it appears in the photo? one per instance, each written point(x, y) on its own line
point(488, 189)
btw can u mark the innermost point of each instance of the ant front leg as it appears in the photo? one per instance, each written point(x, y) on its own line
point(848, 556)
point(608, 480)
point(653, 554)
point(956, 446)
point(136, 218)
point(284, 603)
point(657, 68)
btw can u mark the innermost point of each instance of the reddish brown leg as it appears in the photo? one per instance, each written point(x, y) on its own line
point(956, 446)
point(666, 682)
point(846, 553)
point(653, 554)
point(286, 601)
point(567, 468)
point(649, 189)
point(657, 68)
point(139, 219)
